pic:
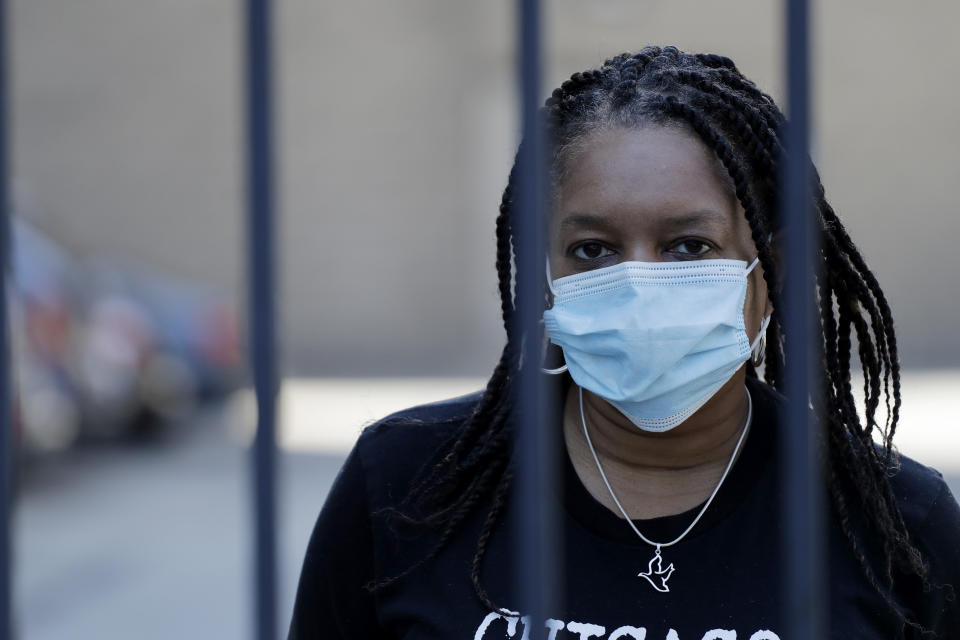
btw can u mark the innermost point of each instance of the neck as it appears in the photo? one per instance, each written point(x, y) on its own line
point(655, 474)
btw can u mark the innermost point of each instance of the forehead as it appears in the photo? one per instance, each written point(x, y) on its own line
point(649, 171)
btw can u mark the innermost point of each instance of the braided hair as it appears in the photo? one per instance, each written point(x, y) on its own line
point(707, 94)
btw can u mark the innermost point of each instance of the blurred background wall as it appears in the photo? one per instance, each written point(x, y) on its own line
point(396, 135)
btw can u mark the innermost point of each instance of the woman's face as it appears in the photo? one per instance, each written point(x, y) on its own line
point(652, 194)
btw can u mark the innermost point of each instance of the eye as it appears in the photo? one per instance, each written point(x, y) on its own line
point(591, 251)
point(690, 248)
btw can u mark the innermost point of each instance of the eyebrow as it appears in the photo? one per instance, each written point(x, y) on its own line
point(586, 220)
point(707, 216)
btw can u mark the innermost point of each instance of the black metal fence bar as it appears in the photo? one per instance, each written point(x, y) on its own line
point(6, 381)
point(259, 104)
point(536, 431)
point(803, 573)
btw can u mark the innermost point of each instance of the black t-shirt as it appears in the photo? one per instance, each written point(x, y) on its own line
point(726, 570)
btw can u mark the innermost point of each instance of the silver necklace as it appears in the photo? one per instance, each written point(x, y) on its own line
point(655, 574)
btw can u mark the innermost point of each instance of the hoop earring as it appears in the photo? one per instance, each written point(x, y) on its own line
point(543, 357)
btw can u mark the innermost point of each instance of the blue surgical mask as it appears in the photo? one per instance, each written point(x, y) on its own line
point(655, 339)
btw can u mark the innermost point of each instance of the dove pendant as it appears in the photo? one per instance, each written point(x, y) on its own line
point(655, 574)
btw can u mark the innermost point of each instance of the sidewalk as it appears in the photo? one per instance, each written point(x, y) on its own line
point(327, 414)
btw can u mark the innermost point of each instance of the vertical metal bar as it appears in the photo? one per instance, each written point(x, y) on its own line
point(803, 513)
point(6, 379)
point(536, 429)
point(259, 114)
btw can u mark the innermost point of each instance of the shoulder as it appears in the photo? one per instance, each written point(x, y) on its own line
point(347, 547)
point(443, 411)
point(928, 508)
point(932, 518)
point(393, 450)
point(930, 512)
point(920, 491)
point(411, 428)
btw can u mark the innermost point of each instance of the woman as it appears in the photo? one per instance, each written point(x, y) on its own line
point(663, 264)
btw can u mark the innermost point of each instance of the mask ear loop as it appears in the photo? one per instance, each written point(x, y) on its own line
point(759, 345)
point(553, 292)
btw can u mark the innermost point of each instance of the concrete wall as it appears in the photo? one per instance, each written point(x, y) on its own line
point(396, 135)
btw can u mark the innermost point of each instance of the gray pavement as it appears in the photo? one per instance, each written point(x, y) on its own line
point(153, 541)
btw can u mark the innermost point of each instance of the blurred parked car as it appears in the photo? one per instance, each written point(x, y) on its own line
point(105, 347)
point(42, 313)
point(186, 336)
